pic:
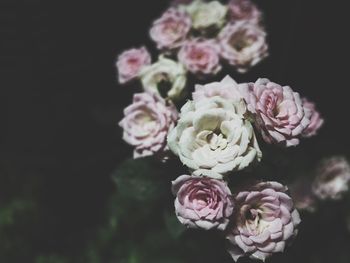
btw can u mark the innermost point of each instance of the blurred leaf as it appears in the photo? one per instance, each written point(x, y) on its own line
point(51, 259)
point(141, 180)
point(173, 226)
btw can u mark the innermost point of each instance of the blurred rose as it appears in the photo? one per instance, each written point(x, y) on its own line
point(264, 222)
point(171, 29)
point(202, 202)
point(200, 56)
point(280, 115)
point(243, 44)
point(302, 195)
point(244, 10)
point(213, 138)
point(130, 63)
point(226, 89)
point(206, 15)
point(166, 77)
point(146, 124)
point(332, 178)
point(316, 121)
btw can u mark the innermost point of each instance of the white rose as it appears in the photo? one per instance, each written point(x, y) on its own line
point(205, 15)
point(213, 138)
point(165, 77)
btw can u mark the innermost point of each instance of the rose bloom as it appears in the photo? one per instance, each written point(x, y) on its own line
point(279, 112)
point(316, 121)
point(243, 45)
point(202, 202)
point(130, 63)
point(206, 15)
point(213, 138)
point(265, 221)
point(166, 77)
point(302, 195)
point(226, 89)
point(332, 178)
point(146, 124)
point(200, 56)
point(244, 10)
point(171, 29)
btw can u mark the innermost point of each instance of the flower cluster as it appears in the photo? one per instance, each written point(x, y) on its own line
point(217, 131)
point(215, 137)
point(199, 38)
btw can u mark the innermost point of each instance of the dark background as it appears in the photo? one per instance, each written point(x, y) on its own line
point(60, 140)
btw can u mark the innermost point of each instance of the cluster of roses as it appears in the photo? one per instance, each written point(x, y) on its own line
point(214, 136)
point(196, 37)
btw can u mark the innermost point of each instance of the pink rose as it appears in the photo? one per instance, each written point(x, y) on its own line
point(264, 223)
point(332, 178)
point(171, 29)
point(279, 112)
point(316, 120)
point(130, 63)
point(202, 202)
point(244, 10)
point(227, 89)
point(243, 44)
point(200, 56)
point(147, 122)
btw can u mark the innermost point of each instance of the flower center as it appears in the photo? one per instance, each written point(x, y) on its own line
point(240, 40)
point(216, 141)
point(163, 84)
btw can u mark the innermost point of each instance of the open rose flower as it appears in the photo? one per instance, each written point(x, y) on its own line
point(146, 124)
point(265, 221)
point(243, 44)
point(280, 115)
point(166, 77)
point(316, 121)
point(213, 138)
point(130, 63)
point(171, 29)
point(202, 202)
point(226, 89)
point(332, 178)
point(200, 56)
point(206, 15)
point(244, 10)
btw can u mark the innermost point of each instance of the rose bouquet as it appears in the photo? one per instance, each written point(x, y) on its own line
point(220, 131)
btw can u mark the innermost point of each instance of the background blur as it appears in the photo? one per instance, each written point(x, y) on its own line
point(61, 143)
